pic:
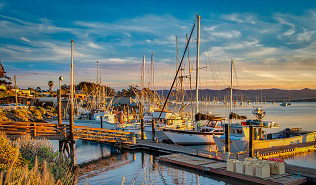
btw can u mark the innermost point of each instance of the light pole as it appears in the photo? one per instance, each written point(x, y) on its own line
point(16, 87)
point(59, 101)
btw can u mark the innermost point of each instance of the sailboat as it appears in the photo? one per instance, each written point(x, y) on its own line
point(205, 126)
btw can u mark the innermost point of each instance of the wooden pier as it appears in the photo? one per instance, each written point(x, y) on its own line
point(219, 167)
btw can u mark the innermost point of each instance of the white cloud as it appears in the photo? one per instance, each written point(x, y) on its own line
point(262, 52)
point(25, 39)
point(306, 36)
point(93, 45)
point(289, 32)
point(227, 35)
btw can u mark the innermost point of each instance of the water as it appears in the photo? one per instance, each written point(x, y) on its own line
point(109, 164)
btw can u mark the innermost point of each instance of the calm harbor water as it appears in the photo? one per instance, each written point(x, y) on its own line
point(108, 165)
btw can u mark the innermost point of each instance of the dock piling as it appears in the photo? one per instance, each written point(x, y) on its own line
point(153, 124)
point(142, 128)
point(101, 121)
point(227, 138)
point(251, 137)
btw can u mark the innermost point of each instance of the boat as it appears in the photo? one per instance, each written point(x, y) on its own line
point(284, 104)
point(206, 126)
point(239, 138)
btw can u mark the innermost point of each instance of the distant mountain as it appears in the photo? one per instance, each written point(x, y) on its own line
point(251, 95)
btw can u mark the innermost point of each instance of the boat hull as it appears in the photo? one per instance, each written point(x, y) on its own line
point(241, 145)
point(190, 137)
point(235, 145)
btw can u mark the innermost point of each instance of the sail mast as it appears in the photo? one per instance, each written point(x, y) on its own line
point(153, 76)
point(197, 64)
point(231, 89)
point(143, 79)
point(71, 116)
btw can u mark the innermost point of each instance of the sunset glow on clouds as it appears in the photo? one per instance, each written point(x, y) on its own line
point(273, 44)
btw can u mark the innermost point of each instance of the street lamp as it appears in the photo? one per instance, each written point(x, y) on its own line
point(59, 101)
point(15, 87)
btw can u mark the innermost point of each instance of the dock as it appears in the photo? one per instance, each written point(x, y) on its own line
point(198, 159)
point(219, 167)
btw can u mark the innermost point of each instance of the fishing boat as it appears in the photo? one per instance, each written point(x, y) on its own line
point(239, 138)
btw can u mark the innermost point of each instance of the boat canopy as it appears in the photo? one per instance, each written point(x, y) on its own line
point(236, 116)
point(200, 116)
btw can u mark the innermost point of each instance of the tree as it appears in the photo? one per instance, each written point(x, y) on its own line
point(4, 79)
point(50, 84)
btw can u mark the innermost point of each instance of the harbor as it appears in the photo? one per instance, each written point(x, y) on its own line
point(143, 93)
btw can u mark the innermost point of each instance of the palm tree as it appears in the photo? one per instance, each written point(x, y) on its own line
point(50, 84)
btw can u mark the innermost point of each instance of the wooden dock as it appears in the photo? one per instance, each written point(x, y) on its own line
point(125, 140)
point(164, 148)
point(219, 167)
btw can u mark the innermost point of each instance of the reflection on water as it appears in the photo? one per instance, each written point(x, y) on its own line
point(107, 165)
point(305, 159)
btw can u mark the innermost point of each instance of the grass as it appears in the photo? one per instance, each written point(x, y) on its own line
point(29, 161)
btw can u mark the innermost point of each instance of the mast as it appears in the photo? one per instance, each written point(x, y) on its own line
point(231, 89)
point(197, 64)
point(71, 116)
point(177, 54)
point(143, 79)
point(190, 75)
point(153, 76)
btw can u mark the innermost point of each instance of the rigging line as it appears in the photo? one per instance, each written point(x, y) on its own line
point(221, 46)
point(211, 64)
point(43, 12)
point(210, 59)
point(177, 70)
point(215, 65)
point(219, 42)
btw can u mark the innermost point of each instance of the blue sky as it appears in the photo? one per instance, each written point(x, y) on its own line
point(272, 42)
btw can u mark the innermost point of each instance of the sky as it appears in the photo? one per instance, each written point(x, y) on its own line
point(272, 43)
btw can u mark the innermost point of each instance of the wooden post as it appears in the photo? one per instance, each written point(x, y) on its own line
point(227, 138)
point(73, 152)
point(60, 114)
point(153, 124)
point(16, 93)
point(142, 128)
point(260, 132)
point(101, 121)
point(251, 136)
point(61, 145)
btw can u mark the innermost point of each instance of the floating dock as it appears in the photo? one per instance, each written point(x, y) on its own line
point(219, 167)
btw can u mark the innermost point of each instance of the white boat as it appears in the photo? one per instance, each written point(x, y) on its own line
point(198, 135)
point(190, 137)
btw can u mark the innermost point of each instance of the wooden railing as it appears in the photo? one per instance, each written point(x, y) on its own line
point(61, 132)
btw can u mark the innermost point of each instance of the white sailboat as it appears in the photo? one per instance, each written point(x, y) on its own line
point(206, 126)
